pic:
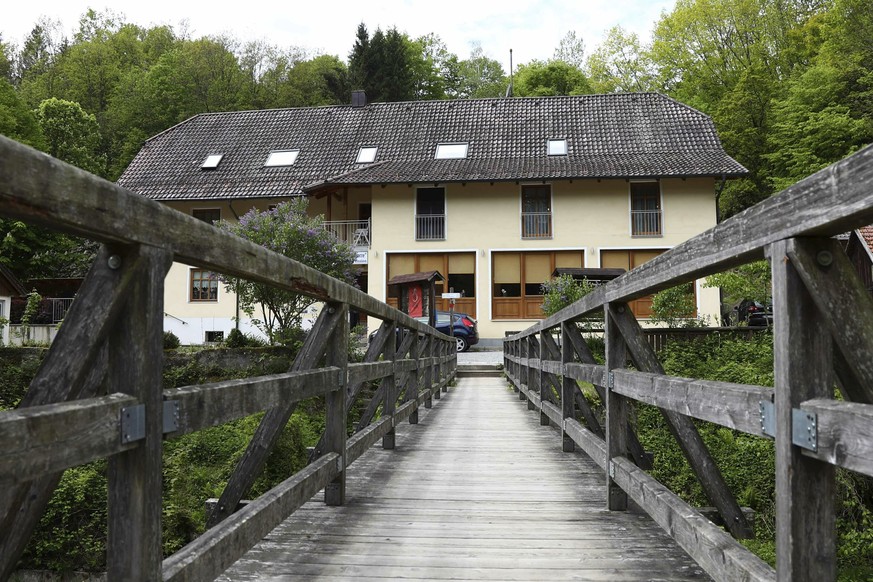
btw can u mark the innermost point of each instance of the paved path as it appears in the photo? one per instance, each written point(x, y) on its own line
point(478, 490)
point(474, 356)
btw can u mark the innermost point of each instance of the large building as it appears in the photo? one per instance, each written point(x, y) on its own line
point(493, 193)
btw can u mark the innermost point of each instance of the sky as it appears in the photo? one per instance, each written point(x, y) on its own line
point(531, 29)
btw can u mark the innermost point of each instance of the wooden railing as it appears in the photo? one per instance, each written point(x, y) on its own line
point(98, 393)
point(823, 336)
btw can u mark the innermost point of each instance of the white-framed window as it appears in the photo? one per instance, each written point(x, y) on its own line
point(645, 201)
point(211, 162)
point(366, 155)
point(281, 158)
point(557, 147)
point(451, 151)
point(430, 214)
point(536, 211)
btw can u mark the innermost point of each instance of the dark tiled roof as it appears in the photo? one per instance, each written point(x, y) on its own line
point(12, 281)
point(608, 136)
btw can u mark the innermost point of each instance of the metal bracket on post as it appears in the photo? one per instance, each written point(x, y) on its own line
point(610, 380)
point(133, 421)
point(768, 418)
point(804, 425)
point(804, 429)
point(611, 470)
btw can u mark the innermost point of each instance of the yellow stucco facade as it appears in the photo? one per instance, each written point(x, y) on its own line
point(589, 219)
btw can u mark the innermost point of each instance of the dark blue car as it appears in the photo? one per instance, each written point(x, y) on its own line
point(466, 332)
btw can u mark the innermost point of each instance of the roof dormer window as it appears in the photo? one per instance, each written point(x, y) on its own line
point(557, 147)
point(451, 151)
point(366, 155)
point(281, 158)
point(211, 162)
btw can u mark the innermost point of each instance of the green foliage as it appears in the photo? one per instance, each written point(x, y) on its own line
point(287, 230)
point(675, 307)
point(32, 252)
point(749, 281)
point(15, 377)
point(72, 532)
point(238, 339)
point(563, 291)
point(748, 462)
point(171, 341)
point(71, 134)
point(474, 77)
point(537, 79)
point(620, 64)
point(17, 121)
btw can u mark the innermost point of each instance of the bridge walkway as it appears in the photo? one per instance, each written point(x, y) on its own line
point(478, 490)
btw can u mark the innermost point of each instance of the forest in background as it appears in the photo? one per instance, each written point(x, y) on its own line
point(789, 84)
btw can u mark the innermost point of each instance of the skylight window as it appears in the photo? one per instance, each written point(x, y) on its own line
point(211, 162)
point(281, 158)
point(557, 147)
point(366, 155)
point(451, 151)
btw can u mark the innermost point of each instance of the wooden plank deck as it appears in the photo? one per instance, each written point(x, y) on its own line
point(478, 490)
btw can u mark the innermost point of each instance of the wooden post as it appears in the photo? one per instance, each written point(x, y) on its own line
point(412, 378)
point(335, 403)
point(542, 385)
point(433, 368)
point(136, 344)
point(684, 431)
point(805, 521)
point(389, 386)
point(424, 370)
point(616, 406)
point(255, 457)
point(568, 387)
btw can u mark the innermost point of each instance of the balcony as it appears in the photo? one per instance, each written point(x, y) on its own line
point(646, 223)
point(430, 227)
point(355, 233)
point(536, 225)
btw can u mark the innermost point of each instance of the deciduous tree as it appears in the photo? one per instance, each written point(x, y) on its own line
point(287, 230)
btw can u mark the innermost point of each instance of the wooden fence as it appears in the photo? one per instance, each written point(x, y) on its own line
point(98, 393)
point(823, 336)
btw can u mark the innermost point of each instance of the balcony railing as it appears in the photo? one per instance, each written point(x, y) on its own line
point(430, 227)
point(536, 225)
point(355, 233)
point(646, 223)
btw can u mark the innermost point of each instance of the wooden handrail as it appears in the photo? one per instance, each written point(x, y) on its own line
point(811, 277)
point(112, 336)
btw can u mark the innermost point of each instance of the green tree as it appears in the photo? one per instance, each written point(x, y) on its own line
point(675, 307)
point(289, 231)
point(475, 77)
point(17, 121)
point(620, 64)
point(33, 252)
point(71, 134)
point(6, 52)
point(563, 291)
point(538, 79)
point(571, 50)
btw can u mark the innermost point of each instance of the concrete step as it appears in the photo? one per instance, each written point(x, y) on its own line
point(480, 370)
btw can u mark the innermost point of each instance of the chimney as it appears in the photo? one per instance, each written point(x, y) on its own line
point(359, 98)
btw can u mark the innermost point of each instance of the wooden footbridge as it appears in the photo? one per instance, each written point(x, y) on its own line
point(488, 478)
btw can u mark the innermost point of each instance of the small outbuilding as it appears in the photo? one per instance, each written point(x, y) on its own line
point(10, 287)
point(416, 294)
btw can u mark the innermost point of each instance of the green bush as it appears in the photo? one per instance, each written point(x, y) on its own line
point(748, 462)
point(171, 341)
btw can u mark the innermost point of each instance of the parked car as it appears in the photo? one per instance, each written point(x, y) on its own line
point(466, 333)
point(754, 313)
